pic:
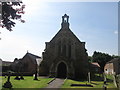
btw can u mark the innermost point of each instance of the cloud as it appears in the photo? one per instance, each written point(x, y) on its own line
point(13, 46)
point(34, 7)
point(116, 32)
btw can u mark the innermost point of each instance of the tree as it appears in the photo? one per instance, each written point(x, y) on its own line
point(90, 59)
point(101, 59)
point(114, 56)
point(10, 12)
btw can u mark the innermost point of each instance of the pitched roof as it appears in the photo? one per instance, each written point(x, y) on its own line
point(68, 31)
point(114, 60)
point(65, 31)
point(32, 56)
point(6, 63)
point(0, 59)
point(95, 64)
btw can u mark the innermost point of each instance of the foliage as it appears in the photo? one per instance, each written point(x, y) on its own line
point(10, 12)
point(114, 56)
point(90, 59)
point(101, 59)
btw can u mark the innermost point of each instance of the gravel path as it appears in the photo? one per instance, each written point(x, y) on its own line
point(56, 83)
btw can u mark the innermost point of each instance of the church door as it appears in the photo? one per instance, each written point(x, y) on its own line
point(62, 70)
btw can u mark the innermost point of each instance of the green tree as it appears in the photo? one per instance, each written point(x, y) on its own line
point(101, 59)
point(11, 11)
point(90, 59)
point(114, 56)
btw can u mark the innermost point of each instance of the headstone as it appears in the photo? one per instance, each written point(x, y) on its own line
point(8, 83)
point(17, 77)
point(21, 77)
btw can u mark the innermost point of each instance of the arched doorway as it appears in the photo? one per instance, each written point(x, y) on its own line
point(62, 70)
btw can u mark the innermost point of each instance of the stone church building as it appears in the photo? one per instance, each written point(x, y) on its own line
point(65, 55)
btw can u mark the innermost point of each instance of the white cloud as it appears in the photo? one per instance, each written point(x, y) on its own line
point(33, 7)
point(116, 32)
point(13, 45)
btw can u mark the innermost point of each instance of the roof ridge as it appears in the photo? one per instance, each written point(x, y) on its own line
point(33, 55)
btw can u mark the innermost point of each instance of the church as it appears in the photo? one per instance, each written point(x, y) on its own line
point(65, 56)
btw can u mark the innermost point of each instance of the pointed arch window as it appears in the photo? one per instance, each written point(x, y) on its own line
point(59, 48)
point(64, 50)
point(69, 51)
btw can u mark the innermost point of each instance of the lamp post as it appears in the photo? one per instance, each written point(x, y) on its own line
point(35, 78)
point(38, 60)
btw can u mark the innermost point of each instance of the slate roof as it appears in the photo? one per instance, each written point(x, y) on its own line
point(114, 60)
point(67, 30)
point(32, 56)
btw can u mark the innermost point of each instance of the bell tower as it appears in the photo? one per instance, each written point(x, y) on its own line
point(65, 21)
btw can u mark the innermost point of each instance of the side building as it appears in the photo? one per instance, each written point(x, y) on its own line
point(4, 67)
point(113, 66)
point(27, 64)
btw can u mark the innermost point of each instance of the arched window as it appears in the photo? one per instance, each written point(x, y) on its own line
point(65, 19)
point(59, 48)
point(64, 50)
point(69, 51)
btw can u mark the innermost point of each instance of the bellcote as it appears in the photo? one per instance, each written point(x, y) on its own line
point(65, 21)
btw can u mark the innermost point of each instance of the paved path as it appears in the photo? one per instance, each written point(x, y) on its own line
point(56, 83)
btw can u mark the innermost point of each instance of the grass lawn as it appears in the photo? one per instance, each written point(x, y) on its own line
point(28, 82)
point(95, 83)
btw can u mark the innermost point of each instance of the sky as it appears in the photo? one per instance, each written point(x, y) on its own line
point(95, 23)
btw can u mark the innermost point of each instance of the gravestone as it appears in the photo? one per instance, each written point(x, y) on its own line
point(8, 83)
point(17, 76)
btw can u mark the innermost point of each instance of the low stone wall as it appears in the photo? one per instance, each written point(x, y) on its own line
point(14, 74)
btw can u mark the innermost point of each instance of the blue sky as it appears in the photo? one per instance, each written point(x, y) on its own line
point(95, 23)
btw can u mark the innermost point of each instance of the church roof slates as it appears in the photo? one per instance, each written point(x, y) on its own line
point(32, 57)
point(65, 31)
